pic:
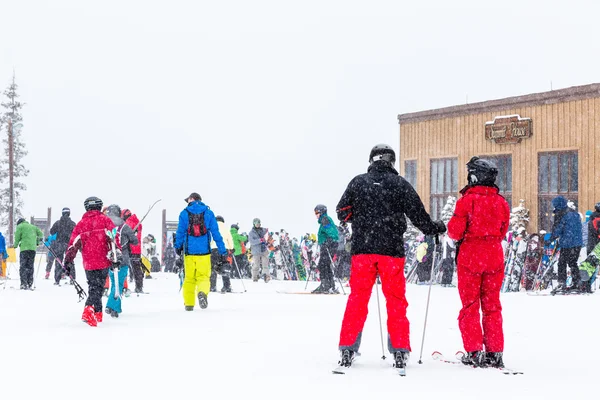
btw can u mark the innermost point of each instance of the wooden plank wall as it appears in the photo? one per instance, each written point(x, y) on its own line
point(563, 126)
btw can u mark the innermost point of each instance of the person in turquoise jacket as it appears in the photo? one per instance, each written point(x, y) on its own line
point(27, 237)
point(328, 238)
point(3, 252)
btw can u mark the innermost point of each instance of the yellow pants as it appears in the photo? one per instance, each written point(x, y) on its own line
point(197, 277)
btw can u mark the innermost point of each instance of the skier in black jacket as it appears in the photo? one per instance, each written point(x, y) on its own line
point(62, 229)
point(376, 204)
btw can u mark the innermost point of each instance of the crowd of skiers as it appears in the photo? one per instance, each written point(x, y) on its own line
point(376, 205)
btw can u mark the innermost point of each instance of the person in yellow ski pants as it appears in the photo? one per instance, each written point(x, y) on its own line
point(197, 277)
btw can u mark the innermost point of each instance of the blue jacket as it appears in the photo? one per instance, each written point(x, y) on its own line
point(3, 247)
point(198, 245)
point(567, 228)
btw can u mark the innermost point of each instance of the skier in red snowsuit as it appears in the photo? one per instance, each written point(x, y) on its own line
point(479, 224)
point(376, 204)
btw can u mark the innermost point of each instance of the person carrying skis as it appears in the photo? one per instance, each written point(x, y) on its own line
point(136, 267)
point(125, 238)
point(90, 236)
point(197, 224)
point(328, 238)
point(567, 229)
point(260, 253)
point(62, 229)
point(479, 224)
point(27, 238)
point(377, 204)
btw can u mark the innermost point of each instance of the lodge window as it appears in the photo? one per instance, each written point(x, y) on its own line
point(444, 183)
point(410, 172)
point(504, 179)
point(557, 176)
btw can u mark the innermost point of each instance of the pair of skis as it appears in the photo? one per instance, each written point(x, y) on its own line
point(436, 355)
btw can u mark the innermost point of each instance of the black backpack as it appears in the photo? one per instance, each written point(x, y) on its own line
point(196, 226)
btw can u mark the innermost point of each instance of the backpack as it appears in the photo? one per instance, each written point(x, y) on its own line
point(196, 226)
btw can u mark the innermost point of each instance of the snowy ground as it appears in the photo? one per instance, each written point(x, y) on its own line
point(271, 345)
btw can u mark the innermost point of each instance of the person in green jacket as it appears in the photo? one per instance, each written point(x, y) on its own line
point(239, 249)
point(328, 243)
point(27, 238)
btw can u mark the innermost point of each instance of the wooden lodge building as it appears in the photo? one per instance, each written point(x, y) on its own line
point(544, 144)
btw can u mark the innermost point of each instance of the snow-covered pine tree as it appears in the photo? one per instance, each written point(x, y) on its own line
point(519, 218)
point(412, 233)
point(11, 111)
point(448, 209)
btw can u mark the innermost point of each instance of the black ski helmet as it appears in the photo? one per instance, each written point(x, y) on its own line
point(382, 152)
point(92, 203)
point(219, 218)
point(66, 211)
point(481, 172)
point(235, 226)
point(597, 207)
point(113, 211)
point(321, 209)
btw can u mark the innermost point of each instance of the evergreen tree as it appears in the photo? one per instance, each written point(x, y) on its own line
point(11, 111)
point(448, 209)
point(519, 218)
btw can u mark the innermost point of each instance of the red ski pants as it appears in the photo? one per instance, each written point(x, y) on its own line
point(362, 278)
point(480, 273)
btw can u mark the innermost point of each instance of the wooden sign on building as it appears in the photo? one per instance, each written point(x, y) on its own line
point(510, 129)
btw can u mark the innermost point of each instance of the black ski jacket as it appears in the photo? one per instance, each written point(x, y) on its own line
point(63, 229)
point(376, 204)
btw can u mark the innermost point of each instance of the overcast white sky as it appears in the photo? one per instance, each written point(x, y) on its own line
point(266, 108)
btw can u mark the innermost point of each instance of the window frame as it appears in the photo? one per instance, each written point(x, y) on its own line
point(437, 199)
point(410, 172)
point(546, 183)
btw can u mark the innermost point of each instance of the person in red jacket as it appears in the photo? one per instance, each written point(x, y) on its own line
point(137, 267)
point(479, 224)
point(90, 237)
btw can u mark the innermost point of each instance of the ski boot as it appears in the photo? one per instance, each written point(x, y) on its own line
point(189, 308)
point(400, 359)
point(88, 316)
point(98, 316)
point(333, 290)
point(202, 300)
point(476, 359)
point(494, 360)
point(47, 275)
point(226, 289)
point(126, 292)
point(347, 356)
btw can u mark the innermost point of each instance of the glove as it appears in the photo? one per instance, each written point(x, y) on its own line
point(68, 268)
point(179, 251)
point(441, 228)
point(224, 258)
point(179, 264)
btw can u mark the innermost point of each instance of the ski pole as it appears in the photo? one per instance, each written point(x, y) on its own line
point(145, 215)
point(37, 271)
point(380, 325)
point(309, 256)
point(238, 270)
point(436, 243)
point(333, 268)
point(80, 292)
